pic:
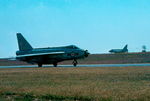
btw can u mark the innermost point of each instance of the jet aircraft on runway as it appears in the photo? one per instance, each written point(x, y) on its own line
point(51, 55)
point(124, 50)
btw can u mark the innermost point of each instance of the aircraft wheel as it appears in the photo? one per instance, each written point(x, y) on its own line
point(55, 64)
point(75, 63)
point(39, 65)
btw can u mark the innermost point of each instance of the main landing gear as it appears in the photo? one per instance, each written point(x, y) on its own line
point(39, 65)
point(74, 62)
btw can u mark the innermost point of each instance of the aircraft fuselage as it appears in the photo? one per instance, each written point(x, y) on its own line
point(69, 53)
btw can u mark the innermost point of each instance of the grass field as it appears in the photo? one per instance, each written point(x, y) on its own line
point(75, 84)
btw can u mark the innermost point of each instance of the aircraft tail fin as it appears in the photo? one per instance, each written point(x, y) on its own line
point(23, 43)
point(125, 48)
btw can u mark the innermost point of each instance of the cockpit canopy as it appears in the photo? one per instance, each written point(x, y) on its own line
point(72, 47)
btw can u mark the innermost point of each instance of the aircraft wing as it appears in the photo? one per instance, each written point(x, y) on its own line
point(10, 58)
point(39, 54)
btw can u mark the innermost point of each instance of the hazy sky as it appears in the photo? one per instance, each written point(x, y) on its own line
point(96, 25)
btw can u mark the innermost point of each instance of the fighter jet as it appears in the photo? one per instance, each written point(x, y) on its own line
point(124, 50)
point(50, 55)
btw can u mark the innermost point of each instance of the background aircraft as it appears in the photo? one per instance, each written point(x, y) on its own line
point(124, 50)
point(52, 55)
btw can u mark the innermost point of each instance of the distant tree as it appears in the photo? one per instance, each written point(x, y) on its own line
point(143, 48)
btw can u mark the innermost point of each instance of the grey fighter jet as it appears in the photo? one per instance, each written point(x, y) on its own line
point(124, 50)
point(51, 55)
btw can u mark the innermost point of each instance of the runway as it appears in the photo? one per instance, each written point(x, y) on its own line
point(82, 65)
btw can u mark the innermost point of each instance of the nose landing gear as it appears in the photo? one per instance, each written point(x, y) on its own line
point(74, 62)
point(55, 64)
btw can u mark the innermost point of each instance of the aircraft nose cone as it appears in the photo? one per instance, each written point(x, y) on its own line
point(86, 53)
point(110, 51)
